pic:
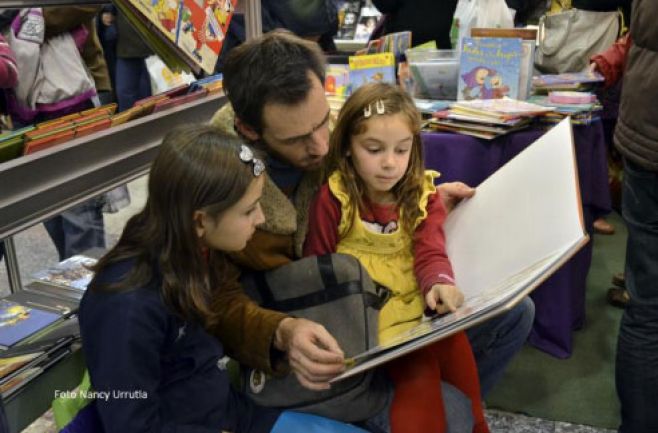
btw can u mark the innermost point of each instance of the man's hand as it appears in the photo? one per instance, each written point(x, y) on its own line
point(453, 192)
point(444, 298)
point(313, 354)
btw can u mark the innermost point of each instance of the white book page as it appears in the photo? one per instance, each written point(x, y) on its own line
point(522, 213)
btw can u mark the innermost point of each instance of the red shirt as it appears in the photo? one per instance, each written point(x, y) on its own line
point(431, 264)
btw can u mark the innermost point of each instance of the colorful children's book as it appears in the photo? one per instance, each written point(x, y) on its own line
point(490, 68)
point(10, 365)
point(397, 43)
point(73, 272)
point(189, 30)
point(572, 78)
point(371, 68)
point(529, 38)
point(337, 79)
point(17, 322)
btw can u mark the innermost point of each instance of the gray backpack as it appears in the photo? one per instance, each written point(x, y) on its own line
point(337, 292)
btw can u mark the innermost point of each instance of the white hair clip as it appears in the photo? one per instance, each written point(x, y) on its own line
point(380, 107)
point(247, 155)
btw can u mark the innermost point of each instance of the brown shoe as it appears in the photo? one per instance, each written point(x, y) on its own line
point(618, 297)
point(619, 280)
point(602, 227)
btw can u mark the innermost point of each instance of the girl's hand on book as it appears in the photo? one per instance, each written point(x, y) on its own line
point(454, 192)
point(444, 298)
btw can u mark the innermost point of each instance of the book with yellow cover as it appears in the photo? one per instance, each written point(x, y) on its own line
point(371, 68)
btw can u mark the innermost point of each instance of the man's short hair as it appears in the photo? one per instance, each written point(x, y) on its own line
point(270, 69)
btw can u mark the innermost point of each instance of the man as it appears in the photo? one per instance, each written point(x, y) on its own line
point(636, 138)
point(275, 86)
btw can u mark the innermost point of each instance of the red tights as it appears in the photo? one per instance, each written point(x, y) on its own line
point(418, 403)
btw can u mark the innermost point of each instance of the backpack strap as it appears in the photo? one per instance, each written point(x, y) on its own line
point(331, 292)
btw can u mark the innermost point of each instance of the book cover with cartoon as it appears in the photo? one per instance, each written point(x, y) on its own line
point(162, 13)
point(490, 68)
point(202, 27)
point(18, 322)
point(371, 68)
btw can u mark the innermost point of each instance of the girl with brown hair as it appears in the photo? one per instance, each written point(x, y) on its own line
point(144, 319)
point(381, 206)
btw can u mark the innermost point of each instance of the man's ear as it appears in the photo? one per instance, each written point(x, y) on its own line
point(246, 130)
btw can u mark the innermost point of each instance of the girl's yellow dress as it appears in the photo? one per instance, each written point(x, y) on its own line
point(388, 258)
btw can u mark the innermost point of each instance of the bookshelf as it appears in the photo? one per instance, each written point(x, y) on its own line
point(38, 186)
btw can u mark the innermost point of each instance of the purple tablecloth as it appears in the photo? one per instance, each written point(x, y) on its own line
point(560, 300)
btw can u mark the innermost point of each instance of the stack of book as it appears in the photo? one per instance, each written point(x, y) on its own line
point(45, 135)
point(582, 107)
point(21, 364)
point(577, 81)
point(487, 118)
point(38, 324)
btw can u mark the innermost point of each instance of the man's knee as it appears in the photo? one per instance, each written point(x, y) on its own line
point(459, 415)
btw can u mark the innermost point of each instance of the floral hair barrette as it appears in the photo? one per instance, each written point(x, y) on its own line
point(247, 155)
point(380, 108)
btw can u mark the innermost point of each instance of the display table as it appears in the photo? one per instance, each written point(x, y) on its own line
point(560, 300)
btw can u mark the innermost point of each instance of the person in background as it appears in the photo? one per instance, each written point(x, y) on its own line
point(428, 20)
point(64, 19)
point(381, 206)
point(611, 64)
point(80, 228)
point(282, 109)
point(145, 315)
point(636, 138)
point(132, 77)
point(107, 34)
point(315, 20)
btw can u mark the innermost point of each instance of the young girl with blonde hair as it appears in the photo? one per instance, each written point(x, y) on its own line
point(381, 206)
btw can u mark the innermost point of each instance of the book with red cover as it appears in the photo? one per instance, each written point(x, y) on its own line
point(48, 140)
point(173, 102)
point(91, 127)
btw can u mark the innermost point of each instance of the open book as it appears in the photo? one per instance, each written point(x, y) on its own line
point(523, 223)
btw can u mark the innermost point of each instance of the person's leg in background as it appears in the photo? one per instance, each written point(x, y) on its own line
point(636, 369)
point(132, 82)
point(496, 341)
point(78, 229)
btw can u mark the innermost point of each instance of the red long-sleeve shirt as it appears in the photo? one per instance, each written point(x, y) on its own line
point(611, 62)
point(431, 264)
